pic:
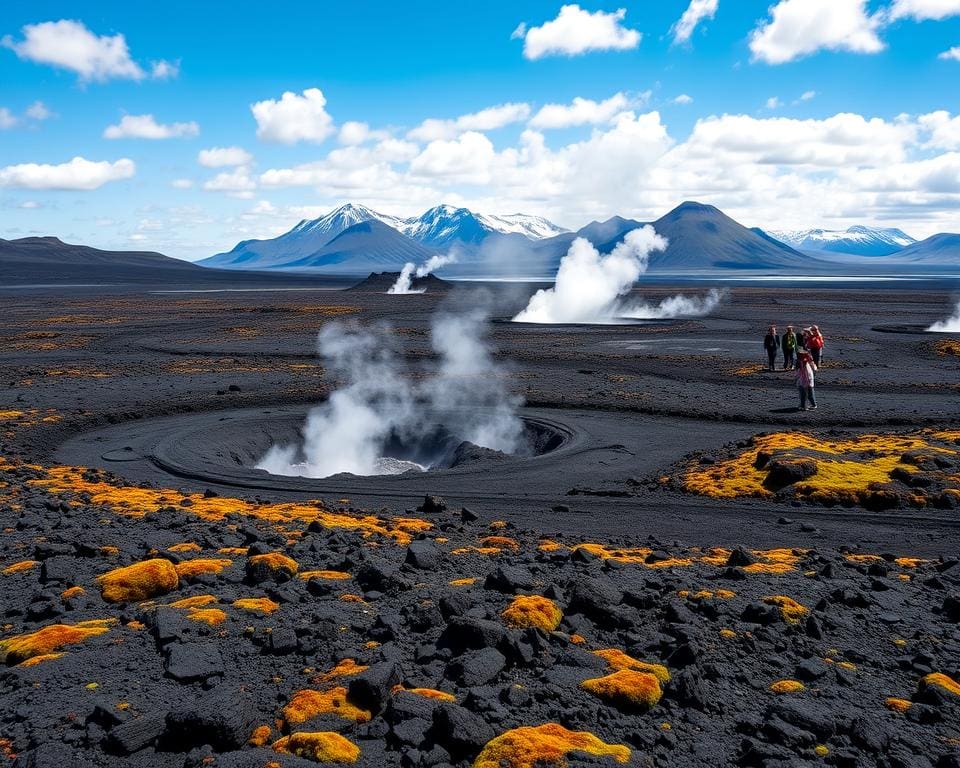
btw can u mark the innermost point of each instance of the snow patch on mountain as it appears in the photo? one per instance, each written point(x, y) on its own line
point(857, 240)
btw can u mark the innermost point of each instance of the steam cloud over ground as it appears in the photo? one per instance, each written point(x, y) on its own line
point(378, 404)
point(950, 325)
point(589, 286)
point(405, 280)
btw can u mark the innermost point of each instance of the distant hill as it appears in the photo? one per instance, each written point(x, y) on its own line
point(381, 282)
point(369, 245)
point(937, 249)
point(857, 240)
point(49, 259)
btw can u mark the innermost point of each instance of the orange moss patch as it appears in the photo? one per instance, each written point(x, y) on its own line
point(947, 348)
point(898, 705)
point(260, 736)
point(136, 502)
point(466, 582)
point(23, 565)
point(941, 681)
point(427, 693)
point(197, 601)
point(343, 668)
point(577, 639)
point(72, 592)
point(276, 562)
point(548, 545)
point(190, 569)
point(790, 609)
point(185, 546)
point(232, 551)
point(787, 686)
point(321, 747)
point(326, 575)
point(308, 704)
point(35, 660)
point(727, 634)
point(263, 605)
point(626, 688)
point(533, 611)
point(18, 649)
point(139, 581)
point(846, 468)
point(210, 616)
point(618, 660)
point(351, 599)
point(500, 542)
point(544, 746)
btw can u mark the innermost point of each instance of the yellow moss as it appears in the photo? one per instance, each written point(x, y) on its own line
point(727, 634)
point(618, 660)
point(321, 747)
point(260, 736)
point(186, 546)
point(190, 569)
point(550, 546)
point(276, 562)
point(197, 601)
point(45, 641)
point(139, 581)
point(577, 639)
point(262, 605)
point(427, 693)
point(327, 575)
point(942, 681)
point(232, 551)
point(351, 599)
point(533, 611)
point(898, 705)
point(790, 609)
point(209, 616)
point(308, 704)
point(498, 525)
point(72, 592)
point(910, 562)
point(626, 688)
point(23, 565)
point(463, 582)
point(343, 668)
point(787, 686)
point(544, 746)
point(821, 750)
point(500, 542)
point(34, 660)
point(136, 502)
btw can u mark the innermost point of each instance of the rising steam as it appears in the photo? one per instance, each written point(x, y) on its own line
point(589, 286)
point(378, 404)
point(950, 325)
point(405, 280)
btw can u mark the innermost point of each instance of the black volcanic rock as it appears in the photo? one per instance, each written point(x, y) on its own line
point(381, 282)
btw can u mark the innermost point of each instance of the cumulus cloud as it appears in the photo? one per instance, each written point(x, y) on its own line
point(235, 183)
point(293, 118)
point(221, 157)
point(683, 99)
point(798, 28)
point(923, 10)
point(78, 174)
point(7, 119)
point(579, 112)
point(353, 132)
point(808, 95)
point(466, 159)
point(773, 102)
point(697, 11)
point(951, 54)
point(68, 44)
point(164, 70)
point(39, 111)
point(146, 127)
point(576, 31)
point(943, 130)
point(488, 119)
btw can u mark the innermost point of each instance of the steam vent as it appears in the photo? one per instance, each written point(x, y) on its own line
point(480, 385)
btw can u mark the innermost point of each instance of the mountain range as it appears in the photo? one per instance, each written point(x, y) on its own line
point(856, 241)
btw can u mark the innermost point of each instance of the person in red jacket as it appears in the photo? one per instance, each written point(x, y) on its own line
point(806, 381)
point(815, 344)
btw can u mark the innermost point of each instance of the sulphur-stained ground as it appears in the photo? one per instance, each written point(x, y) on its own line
point(696, 574)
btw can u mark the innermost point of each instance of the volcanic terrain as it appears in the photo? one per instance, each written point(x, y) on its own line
point(687, 571)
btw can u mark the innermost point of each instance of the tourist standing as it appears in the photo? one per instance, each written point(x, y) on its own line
point(789, 345)
point(815, 345)
point(771, 343)
point(806, 381)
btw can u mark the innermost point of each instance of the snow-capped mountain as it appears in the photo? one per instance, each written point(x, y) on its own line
point(533, 227)
point(445, 224)
point(857, 240)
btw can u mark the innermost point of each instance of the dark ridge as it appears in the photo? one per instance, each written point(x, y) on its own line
point(381, 282)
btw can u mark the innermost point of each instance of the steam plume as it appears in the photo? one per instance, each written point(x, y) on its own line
point(405, 280)
point(675, 306)
point(349, 432)
point(950, 325)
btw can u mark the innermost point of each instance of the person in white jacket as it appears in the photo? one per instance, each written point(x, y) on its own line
point(806, 380)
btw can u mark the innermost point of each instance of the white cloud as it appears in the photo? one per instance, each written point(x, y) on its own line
point(943, 130)
point(519, 32)
point(922, 10)
point(146, 127)
point(30, 205)
point(165, 70)
point(78, 174)
point(353, 133)
point(68, 44)
point(293, 118)
point(808, 95)
point(7, 119)
point(488, 119)
point(579, 112)
point(697, 11)
point(236, 183)
point(39, 111)
point(576, 31)
point(773, 102)
point(798, 28)
point(220, 157)
point(952, 54)
point(182, 184)
point(683, 99)
point(466, 159)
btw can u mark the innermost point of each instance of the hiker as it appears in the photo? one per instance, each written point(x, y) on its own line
point(806, 380)
point(789, 344)
point(815, 344)
point(771, 343)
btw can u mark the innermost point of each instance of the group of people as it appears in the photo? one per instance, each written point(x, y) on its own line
point(802, 353)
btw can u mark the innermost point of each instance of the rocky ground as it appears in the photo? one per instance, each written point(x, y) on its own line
point(166, 621)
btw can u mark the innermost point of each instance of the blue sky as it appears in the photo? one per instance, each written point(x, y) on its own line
point(759, 134)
